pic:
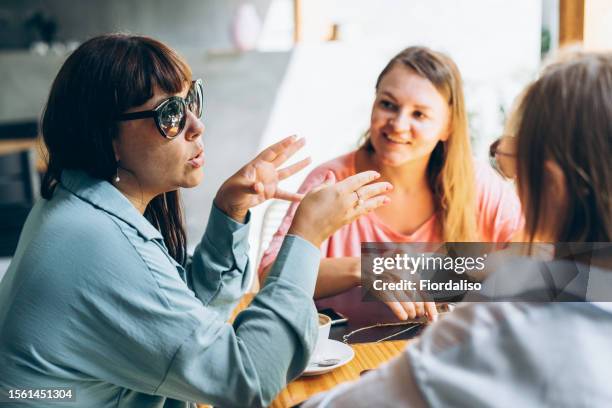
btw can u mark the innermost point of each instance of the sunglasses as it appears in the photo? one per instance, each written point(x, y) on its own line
point(502, 160)
point(171, 114)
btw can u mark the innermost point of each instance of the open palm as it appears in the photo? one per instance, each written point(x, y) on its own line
point(258, 180)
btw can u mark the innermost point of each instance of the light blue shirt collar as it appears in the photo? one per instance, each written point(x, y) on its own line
point(103, 195)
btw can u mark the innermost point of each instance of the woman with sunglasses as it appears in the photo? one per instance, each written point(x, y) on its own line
point(101, 298)
point(529, 354)
point(418, 140)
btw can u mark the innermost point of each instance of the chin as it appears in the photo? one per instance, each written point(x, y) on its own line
point(193, 180)
point(393, 159)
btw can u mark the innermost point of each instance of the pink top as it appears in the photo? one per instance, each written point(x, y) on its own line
point(499, 216)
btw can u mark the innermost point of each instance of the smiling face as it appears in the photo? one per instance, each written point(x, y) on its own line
point(152, 162)
point(409, 118)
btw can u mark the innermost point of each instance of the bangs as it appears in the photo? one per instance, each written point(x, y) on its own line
point(152, 65)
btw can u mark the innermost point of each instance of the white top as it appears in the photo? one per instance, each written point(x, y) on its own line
point(497, 354)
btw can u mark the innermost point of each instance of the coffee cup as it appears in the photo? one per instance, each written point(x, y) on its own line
point(323, 335)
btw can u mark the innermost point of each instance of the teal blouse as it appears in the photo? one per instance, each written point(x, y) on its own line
point(93, 301)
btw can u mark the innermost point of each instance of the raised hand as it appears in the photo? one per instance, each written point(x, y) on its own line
point(258, 180)
point(331, 206)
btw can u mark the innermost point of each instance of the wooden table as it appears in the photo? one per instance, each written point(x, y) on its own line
point(367, 357)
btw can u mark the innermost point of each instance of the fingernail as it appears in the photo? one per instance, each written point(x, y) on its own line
point(386, 200)
point(389, 186)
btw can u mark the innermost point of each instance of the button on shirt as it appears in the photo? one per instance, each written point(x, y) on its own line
point(93, 301)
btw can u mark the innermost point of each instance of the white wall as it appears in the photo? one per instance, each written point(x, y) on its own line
point(598, 25)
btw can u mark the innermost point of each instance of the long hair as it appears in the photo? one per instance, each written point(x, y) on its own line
point(450, 170)
point(566, 117)
point(104, 77)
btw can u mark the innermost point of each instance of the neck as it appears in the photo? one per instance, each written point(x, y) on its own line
point(134, 194)
point(410, 177)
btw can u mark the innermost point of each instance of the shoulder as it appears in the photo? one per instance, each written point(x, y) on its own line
point(498, 205)
point(70, 235)
point(489, 185)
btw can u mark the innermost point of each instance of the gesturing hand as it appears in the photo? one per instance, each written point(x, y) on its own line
point(258, 180)
point(331, 206)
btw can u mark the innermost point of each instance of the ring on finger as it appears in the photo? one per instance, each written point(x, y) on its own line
point(359, 199)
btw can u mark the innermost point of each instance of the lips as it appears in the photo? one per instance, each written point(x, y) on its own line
point(394, 139)
point(197, 160)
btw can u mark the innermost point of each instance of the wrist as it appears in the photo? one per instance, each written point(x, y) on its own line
point(312, 238)
point(355, 271)
point(237, 215)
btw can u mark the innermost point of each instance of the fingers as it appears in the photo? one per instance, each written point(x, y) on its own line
point(374, 189)
point(329, 180)
point(279, 152)
point(271, 152)
point(412, 310)
point(419, 308)
point(352, 183)
point(397, 310)
point(287, 151)
point(294, 168)
point(287, 196)
point(258, 188)
point(372, 204)
point(431, 311)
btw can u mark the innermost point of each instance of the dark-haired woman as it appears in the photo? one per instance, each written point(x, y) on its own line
point(101, 298)
point(530, 354)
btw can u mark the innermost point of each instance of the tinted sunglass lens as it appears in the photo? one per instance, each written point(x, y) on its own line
point(194, 99)
point(172, 118)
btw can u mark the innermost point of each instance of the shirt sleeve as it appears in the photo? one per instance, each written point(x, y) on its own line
point(219, 270)
point(270, 343)
point(391, 385)
point(141, 328)
point(314, 179)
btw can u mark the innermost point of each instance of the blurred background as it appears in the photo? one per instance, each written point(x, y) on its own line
point(278, 67)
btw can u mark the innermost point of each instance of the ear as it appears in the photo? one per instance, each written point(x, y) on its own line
point(447, 132)
point(555, 181)
point(555, 200)
point(445, 136)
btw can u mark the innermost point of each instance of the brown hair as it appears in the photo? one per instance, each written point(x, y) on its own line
point(566, 117)
point(450, 170)
point(102, 78)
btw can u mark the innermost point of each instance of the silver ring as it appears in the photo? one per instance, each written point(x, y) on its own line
point(359, 199)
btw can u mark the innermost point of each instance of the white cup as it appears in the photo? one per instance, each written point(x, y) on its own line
point(323, 335)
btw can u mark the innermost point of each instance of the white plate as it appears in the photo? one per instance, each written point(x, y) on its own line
point(331, 349)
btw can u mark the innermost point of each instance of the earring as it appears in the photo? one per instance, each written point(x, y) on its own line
point(117, 179)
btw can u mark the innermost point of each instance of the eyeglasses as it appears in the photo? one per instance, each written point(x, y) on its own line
point(501, 157)
point(171, 115)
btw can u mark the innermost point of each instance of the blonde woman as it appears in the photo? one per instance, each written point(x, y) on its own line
point(418, 141)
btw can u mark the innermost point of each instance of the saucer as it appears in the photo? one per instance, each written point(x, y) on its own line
point(331, 349)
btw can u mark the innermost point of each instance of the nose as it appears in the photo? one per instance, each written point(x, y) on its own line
point(400, 122)
point(194, 127)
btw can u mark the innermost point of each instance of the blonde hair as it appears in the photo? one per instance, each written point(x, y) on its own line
point(450, 171)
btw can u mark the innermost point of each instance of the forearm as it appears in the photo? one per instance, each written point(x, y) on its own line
point(270, 342)
point(218, 271)
point(337, 275)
